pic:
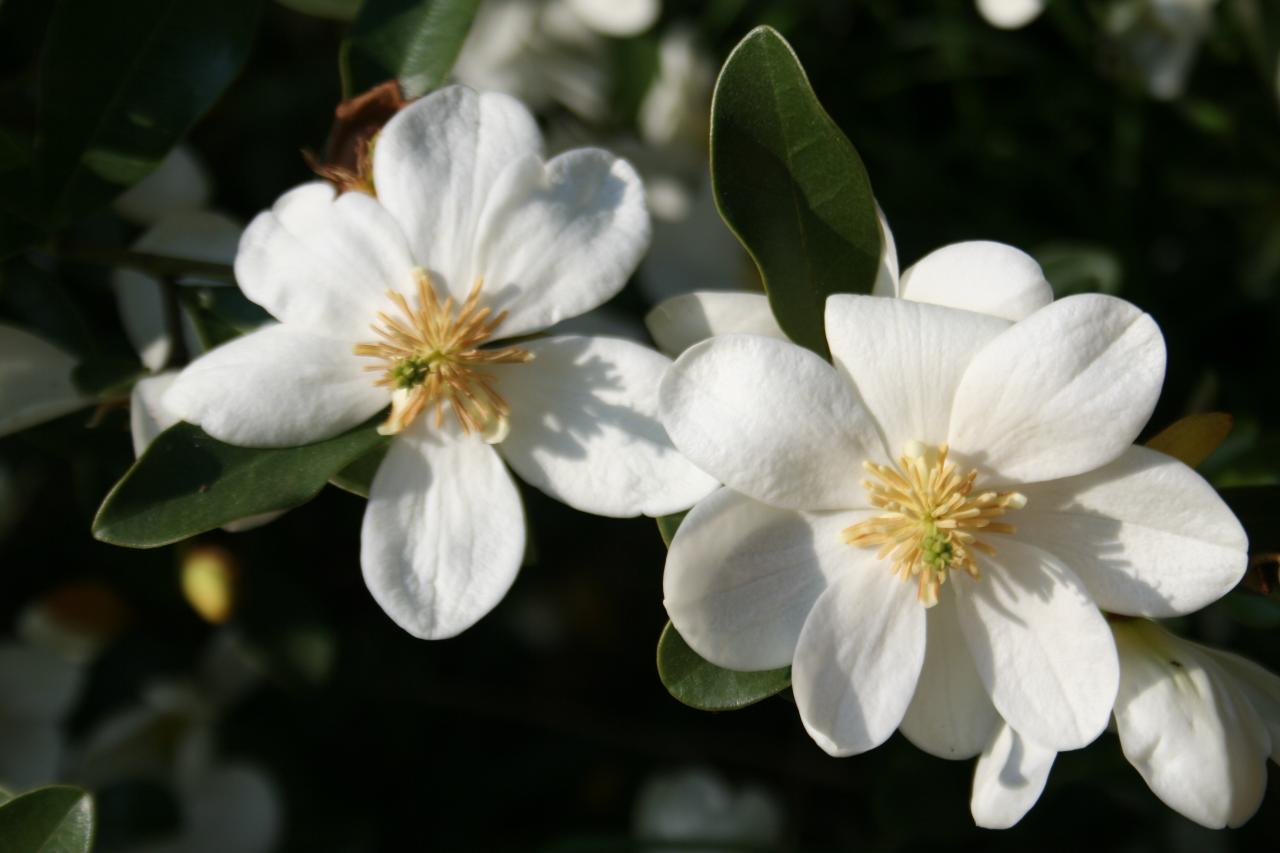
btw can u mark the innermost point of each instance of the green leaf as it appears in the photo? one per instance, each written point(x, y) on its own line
point(187, 483)
point(667, 525)
point(220, 314)
point(357, 478)
point(708, 687)
point(107, 377)
point(56, 819)
point(1079, 268)
point(121, 83)
point(413, 41)
point(338, 10)
point(791, 186)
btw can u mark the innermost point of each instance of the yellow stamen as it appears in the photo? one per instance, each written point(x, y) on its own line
point(431, 355)
point(931, 510)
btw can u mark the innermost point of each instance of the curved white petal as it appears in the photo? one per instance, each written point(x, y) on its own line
point(681, 321)
point(906, 360)
point(559, 239)
point(887, 278)
point(35, 381)
point(435, 167)
point(1010, 14)
point(275, 387)
point(989, 278)
point(1185, 726)
point(741, 577)
point(1060, 393)
point(1008, 779)
point(1259, 686)
point(858, 658)
point(950, 715)
point(197, 235)
point(1041, 647)
point(1145, 533)
point(584, 428)
point(324, 264)
point(443, 534)
point(179, 183)
point(771, 420)
point(620, 18)
point(148, 416)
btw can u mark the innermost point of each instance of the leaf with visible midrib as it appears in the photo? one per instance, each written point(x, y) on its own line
point(187, 482)
point(791, 186)
point(413, 41)
point(55, 819)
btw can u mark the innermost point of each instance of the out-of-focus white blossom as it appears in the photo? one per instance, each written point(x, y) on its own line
point(35, 381)
point(1161, 38)
point(696, 808)
point(180, 183)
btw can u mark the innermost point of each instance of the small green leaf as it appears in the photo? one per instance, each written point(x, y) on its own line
point(791, 186)
point(107, 377)
point(667, 525)
point(413, 41)
point(338, 10)
point(187, 483)
point(56, 819)
point(121, 83)
point(708, 687)
point(357, 478)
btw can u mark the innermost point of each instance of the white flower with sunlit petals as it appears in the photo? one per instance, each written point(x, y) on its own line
point(925, 530)
point(413, 299)
point(1198, 723)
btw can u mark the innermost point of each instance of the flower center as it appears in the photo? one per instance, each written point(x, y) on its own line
point(931, 513)
point(432, 355)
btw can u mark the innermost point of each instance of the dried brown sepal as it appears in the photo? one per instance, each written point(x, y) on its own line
point(348, 160)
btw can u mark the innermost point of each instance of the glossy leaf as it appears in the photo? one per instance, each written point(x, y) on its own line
point(704, 685)
point(338, 10)
point(121, 83)
point(413, 41)
point(791, 186)
point(357, 478)
point(187, 482)
point(56, 819)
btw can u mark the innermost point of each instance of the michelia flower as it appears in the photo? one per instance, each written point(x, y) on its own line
point(412, 299)
point(180, 183)
point(925, 530)
point(696, 806)
point(1010, 14)
point(1198, 723)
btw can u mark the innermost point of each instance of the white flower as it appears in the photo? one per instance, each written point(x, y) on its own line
point(988, 462)
point(1198, 723)
point(675, 111)
point(696, 804)
point(404, 299)
point(179, 184)
point(35, 381)
point(1010, 14)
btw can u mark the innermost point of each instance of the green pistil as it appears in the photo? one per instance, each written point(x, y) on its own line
point(411, 372)
point(936, 548)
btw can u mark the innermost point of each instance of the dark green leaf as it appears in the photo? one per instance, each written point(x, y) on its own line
point(121, 83)
point(667, 525)
point(1079, 268)
point(413, 41)
point(220, 314)
point(791, 186)
point(708, 687)
point(339, 10)
point(357, 477)
point(187, 483)
point(107, 377)
point(56, 819)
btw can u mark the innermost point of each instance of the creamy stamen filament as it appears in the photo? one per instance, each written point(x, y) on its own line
point(931, 513)
point(431, 355)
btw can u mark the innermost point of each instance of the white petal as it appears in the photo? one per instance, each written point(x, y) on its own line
point(36, 684)
point(148, 416)
point(771, 420)
point(275, 387)
point(906, 360)
point(681, 321)
point(435, 166)
point(35, 381)
point(235, 807)
point(619, 18)
point(1260, 687)
point(1041, 646)
point(179, 183)
point(443, 534)
point(692, 247)
point(950, 715)
point(858, 658)
point(1060, 393)
point(197, 235)
point(741, 577)
point(1010, 14)
point(140, 303)
point(1008, 779)
point(559, 239)
point(1187, 729)
point(989, 278)
point(887, 282)
point(584, 428)
point(322, 264)
point(1145, 533)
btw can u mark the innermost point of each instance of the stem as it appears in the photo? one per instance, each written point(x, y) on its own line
point(161, 266)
